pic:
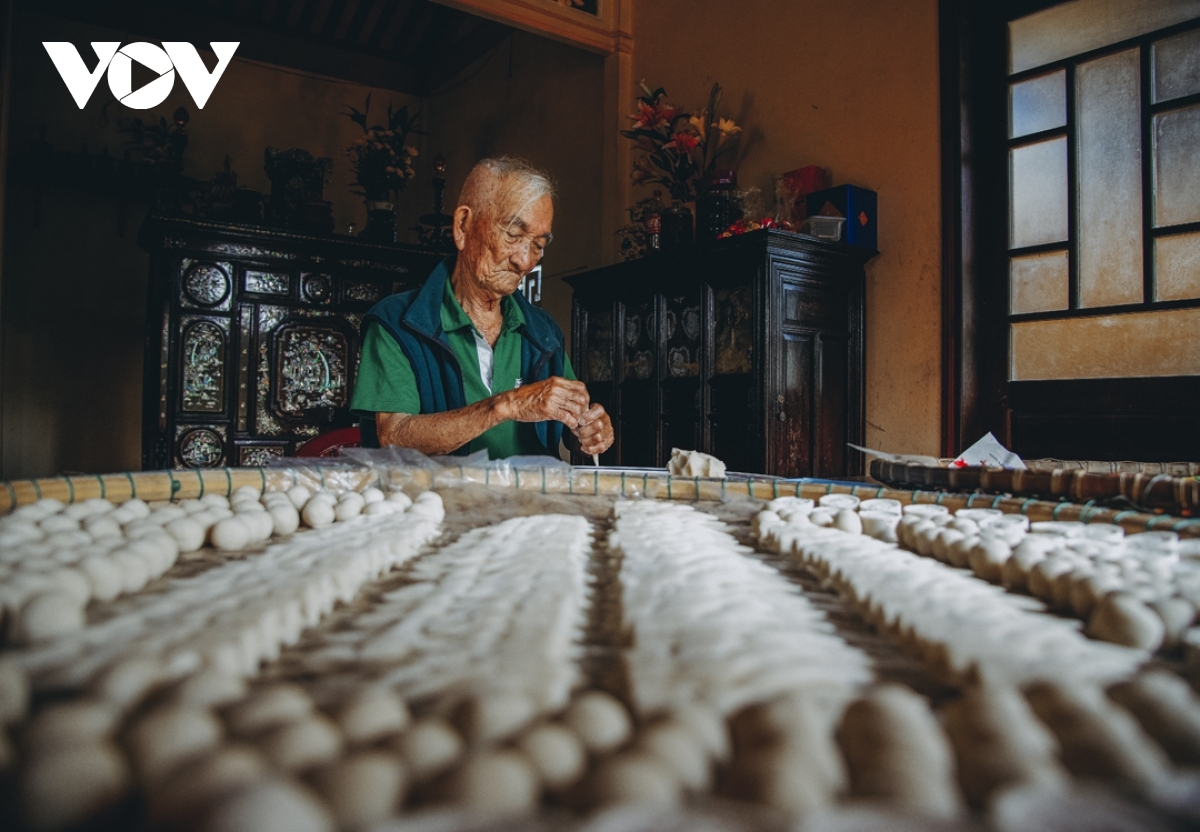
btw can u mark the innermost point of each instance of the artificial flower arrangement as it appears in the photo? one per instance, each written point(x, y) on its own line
point(382, 159)
point(678, 147)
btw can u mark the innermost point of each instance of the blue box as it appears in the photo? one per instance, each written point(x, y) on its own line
point(857, 205)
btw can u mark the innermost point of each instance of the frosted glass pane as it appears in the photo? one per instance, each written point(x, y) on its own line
point(1177, 66)
point(1039, 282)
point(1083, 25)
point(1038, 185)
point(1158, 343)
point(1177, 266)
point(1037, 104)
point(1109, 177)
point(1177, 166)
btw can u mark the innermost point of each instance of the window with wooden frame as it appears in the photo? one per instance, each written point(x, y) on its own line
point(1094, 337)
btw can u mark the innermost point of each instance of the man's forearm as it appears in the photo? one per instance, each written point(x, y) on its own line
point(439, 433)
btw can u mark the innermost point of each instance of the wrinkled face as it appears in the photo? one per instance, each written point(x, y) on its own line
point(499, 250)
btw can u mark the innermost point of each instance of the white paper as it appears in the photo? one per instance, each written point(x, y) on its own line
point(909, 459)
point(987, 451)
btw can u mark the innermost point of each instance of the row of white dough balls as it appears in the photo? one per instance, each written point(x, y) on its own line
point(60, 556)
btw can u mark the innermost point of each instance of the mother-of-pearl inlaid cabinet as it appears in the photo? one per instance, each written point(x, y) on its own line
point(252, 337)
point(750, 349)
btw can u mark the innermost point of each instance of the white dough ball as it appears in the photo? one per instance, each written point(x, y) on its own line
point(430, 747)
point(135, 570)
point(299, 495)
point(218, 501)
point(101, 526)
point(165, 738)
point(383, 507)
point(129, 679)
point(50, 615)
point(69, 786)
point(246, 492)
point(836, 502)
point(201, 781)
point(285, 519)
point(59, 523)
point(345, 509)
point(821, 517)
point(269, 708)
point(72, 582)
point(371, 715)
point(209, 687)
point(493, 716)
point(633, 777)
point(496, 783)
point(303, 744)
point(271, 805)
point(318, 513)
point(1122, 618)
point(925, 509)
point(74, 724)
point(14, 692)
point(676, 745)
point(260, 523)
point(363, 789)
point(556, 753)
point(880, 525)
point(400, 498)
point(372, 495)
point(847, 520)
point(882, 504)
point(187, 533)
point(232, 534)
point(600, 721)
point(69, 540)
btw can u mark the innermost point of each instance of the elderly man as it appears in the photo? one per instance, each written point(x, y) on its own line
point(465, 363)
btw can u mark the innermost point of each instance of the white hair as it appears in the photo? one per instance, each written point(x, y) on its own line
point(504, 185)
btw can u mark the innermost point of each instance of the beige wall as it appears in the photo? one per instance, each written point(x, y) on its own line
point(852, 87)
point(542, 101)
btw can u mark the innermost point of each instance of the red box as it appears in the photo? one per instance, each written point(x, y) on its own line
point(803, 181)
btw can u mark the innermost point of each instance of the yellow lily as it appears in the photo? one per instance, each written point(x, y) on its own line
point(727, 127)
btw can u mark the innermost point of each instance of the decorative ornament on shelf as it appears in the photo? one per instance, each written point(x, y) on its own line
point(298, 181)
point(433, 230)
point(679, 150)
point(382, 162)
point(159, 148)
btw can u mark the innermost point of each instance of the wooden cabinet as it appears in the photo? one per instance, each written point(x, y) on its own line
point(252, 336)
point(750, 349)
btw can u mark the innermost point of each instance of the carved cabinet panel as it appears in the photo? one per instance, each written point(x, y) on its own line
point(253, 336)
point(750, 349)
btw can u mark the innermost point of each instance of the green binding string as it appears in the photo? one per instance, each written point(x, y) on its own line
point(1083, 511)
point(1057, 509)
point(37, 489)
point(595, 482)
point(645, 484)
point(200, 477)
point(775, 489)
point(938, 501)
point(543, 479)
point(70, 489)
point(229, 481)
point(132, 486)
point(1025, 505)
point(879, 492)
point(174, 484)
point(996, 501)
point(622, 483)
point(697, 490)
point(723, 489)
point(1120, 514)
point(970, 498)
point(103, 488)
point(12, 493)
point(1184, 524)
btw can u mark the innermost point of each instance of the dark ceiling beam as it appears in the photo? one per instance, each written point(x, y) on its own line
point(346, 19)
point(395, 23)
point(367, 31)
point(320, 17)
point(471, 47)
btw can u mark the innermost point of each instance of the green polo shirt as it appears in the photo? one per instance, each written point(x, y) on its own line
point(386, 382)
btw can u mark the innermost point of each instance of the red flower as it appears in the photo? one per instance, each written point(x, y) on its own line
point(684, 141)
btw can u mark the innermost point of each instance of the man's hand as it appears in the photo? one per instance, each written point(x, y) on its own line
point(594, 432)
point(553, 399)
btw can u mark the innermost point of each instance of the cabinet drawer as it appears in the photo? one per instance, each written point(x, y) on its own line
point(814, 304)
